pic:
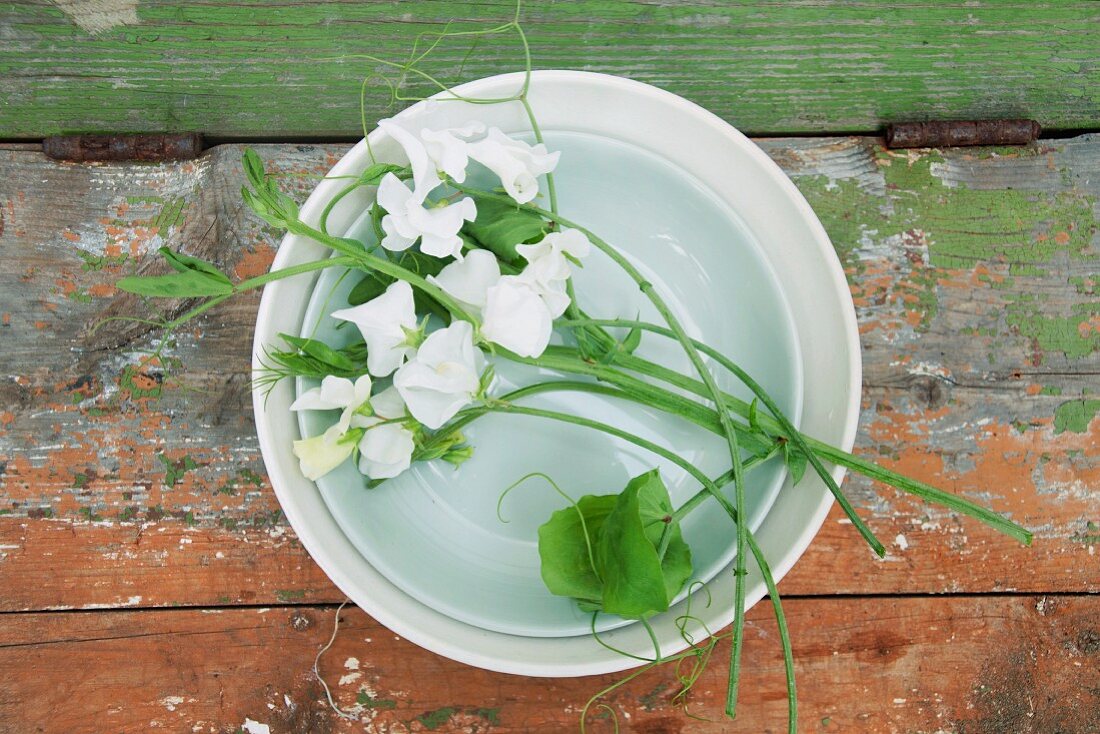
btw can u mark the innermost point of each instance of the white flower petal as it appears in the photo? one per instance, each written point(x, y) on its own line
point(407, 219)
point(380, 321)
point(318, 456)
point(425, 178)
point(443, 376)
point(386, 451)
point(547, 259)
point(516, 318)
point(388, 403)
point(447, 148)
point(469, 279)
point(394, 241)
point(517, 164)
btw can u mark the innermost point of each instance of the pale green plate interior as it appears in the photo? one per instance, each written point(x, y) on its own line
point(434, 531)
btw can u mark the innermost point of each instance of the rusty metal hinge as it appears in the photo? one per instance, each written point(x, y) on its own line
point(952, 133)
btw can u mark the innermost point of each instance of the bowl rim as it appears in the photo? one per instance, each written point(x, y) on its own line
point(320, 542)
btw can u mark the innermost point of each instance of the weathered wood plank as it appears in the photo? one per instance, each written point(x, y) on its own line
point(972, 665)
point(284, 69)
point(974, 273)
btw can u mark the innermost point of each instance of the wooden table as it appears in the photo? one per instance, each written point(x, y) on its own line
point(147, 578)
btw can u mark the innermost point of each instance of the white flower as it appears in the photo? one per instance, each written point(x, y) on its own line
point(319, 455)
point(336, 393)
point(469, 279)
point(433, 151)
point(517, 318)
point(385, 322)
point(407, 219)
point(385, 450)
point(516, 163)
point(443, 376)
point(425, 178)
point(548, 259)
point(448, 149)
point(548, 266)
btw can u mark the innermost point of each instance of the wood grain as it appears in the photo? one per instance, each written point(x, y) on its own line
point(258, 69)
point(972, 665)
point(974, 275)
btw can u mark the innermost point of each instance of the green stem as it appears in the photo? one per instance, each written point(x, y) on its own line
point(788, 429)
point(251, 283)
point(367, 261)
point(322, 221)
point(925, 492)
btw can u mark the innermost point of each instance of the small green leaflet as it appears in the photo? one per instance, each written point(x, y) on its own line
point(312, 358)
point(193, 278)
point(265, 199)
point(796, 463)
point(615, 566)
point(372, 175)
point(500, 226)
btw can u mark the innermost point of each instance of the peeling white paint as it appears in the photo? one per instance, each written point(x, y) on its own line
point(170, 702)
point(351, 664)
point(96, 16)
point(349, 678)
point(255, 727)
point(902, 542)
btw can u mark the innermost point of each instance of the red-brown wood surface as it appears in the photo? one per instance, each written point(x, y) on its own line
point(967, 664)
point(127, 492)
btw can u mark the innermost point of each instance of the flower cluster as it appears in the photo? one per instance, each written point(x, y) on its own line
point(436, 373)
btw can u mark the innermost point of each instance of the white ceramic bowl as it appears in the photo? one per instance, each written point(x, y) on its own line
point(796, 246)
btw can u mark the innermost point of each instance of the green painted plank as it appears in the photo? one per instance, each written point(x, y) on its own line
point(250, 69)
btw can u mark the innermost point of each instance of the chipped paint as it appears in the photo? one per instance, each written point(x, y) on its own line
point(255, 727)
point(97, 16)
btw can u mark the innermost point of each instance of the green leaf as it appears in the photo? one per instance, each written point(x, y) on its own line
point(754, 416)
point(182, 263)
point(321, 352)
point(633, 340)
point(638, 583)
point(370, 287)
point(500, 226)
point(188, 284)
point(796, 464)
point(633, 585)
point(372, 175)
point(265, 199)
point(567, 563)
point(193, 278)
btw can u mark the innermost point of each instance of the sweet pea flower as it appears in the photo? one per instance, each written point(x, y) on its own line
point(443, 376)
point(448, 149)
point(321, 454)
point(385, 323)
point(386, 448)
point(469, 280)
point(425, 178)
point(336, 393)
point(548, 259)
point(517, 318)
point(433, 151)
point(408, 219)
point(516, 163)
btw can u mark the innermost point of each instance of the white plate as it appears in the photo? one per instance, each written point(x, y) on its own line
point(792, 241)
point(434, 530)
